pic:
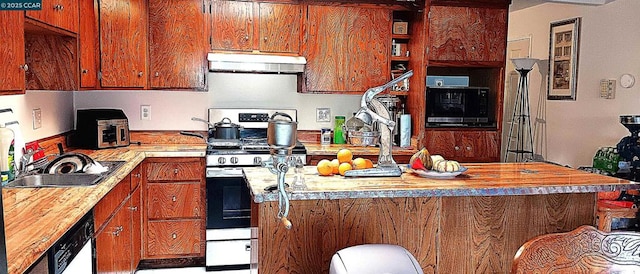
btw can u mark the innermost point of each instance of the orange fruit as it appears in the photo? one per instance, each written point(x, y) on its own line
point(345, 155)
point(359, 163)
point(368, 163)
point(344, 167)
point(334, 165)
point(324, 167)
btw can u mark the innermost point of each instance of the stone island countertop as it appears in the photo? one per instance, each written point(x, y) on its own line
point(35, 218)
point(481, 179)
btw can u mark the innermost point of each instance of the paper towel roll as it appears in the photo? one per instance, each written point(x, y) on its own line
point(405, 130)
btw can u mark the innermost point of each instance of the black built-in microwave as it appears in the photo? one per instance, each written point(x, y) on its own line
point(457, 106)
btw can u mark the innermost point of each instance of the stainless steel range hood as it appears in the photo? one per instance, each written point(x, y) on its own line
point(260, 63)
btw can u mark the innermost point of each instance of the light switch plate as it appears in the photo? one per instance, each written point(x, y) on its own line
point(37, 118)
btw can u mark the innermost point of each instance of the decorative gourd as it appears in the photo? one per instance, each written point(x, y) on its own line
point(421, 160)
point(435, 159)
point(447, 166)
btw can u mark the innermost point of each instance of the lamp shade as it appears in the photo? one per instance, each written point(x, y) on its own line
point(524, 63)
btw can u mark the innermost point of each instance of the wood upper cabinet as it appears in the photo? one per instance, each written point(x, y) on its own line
point(89, 46)
point(503, 3)
point(467, 34)
point(347, 48)
point(12, 54)
point(174, 202)
point(123, 43)
point(58, 13)
point(177, 44)
point(248, 26)
point(464, 146)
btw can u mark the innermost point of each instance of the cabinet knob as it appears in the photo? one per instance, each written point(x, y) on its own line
point(473, 48)
point(456, 148)
point(174, 235)
point(469, 148)
point(140, 73)
point(173, 199)
point(157, 74)
point(24, 67)
point(85, 71)
point(133, 208)
point(246, 37)
point(58, 7)
point(137, 175)
point(175, 171)
point(353, 79)
point(265, 39)
point(461, 47)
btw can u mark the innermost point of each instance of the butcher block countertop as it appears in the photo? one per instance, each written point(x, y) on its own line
point(481, 179)
point(35, 218)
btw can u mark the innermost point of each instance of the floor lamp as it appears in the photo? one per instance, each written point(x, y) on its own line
point(520, 139)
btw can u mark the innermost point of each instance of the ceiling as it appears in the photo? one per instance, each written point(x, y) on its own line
point(523, 4)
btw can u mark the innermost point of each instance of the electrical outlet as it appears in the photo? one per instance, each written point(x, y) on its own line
point(323, 115)
point(37, 118)
point(145, 112)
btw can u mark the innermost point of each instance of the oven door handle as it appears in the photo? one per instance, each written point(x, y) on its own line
point(224, 172)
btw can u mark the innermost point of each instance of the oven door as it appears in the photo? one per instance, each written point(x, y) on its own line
point(228, 199)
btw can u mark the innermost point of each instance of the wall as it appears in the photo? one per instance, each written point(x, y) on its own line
point(56, 107)
point(610, 46)
point(172, 110)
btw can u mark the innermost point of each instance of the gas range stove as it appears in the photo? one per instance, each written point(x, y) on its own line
point(251, 149)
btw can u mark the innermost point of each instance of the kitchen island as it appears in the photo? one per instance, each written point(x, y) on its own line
point(473, 223)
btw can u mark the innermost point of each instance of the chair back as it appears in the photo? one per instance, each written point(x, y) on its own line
point(583, 250)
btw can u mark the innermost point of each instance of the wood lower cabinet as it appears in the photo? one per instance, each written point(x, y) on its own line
point(174, 216)
point(467, 34)
point(123, 43)
point(12, 54)
point(247, 26)
point(118, 229)
point(177, 44)
point(58, 13)
point(356, 57)
point(464, 146)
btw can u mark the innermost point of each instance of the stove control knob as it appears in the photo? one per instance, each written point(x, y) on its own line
point(257, 160)
point(221, 160)
point(234, 160)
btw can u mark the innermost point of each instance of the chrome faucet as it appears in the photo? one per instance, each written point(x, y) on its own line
point(25, 161)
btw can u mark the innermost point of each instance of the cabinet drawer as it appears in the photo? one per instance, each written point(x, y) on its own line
point(174, 171)
point(174, 200)
point(236, 252)
point(178, 237)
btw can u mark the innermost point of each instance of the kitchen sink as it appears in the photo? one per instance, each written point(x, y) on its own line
point(64, 180)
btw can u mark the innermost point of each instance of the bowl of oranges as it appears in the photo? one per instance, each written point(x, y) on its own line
point(344, 161)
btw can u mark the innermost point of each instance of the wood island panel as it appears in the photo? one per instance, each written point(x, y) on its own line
point(473, 223)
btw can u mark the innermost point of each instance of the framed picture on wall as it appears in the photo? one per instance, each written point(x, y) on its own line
point(564, 43)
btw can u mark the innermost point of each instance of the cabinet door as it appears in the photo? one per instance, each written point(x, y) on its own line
point(123, 43)
point(467, 34)
point(464, 146)
point(12, 58)
point(58, 13)
point(279, 27)
point(232, 25)
point(347, 48)
point(89, 44)
point(113, 244)
point(325, 48)
point(177, 44)
point(368, 37)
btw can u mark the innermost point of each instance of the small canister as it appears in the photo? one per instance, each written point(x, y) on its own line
point(325, 136)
